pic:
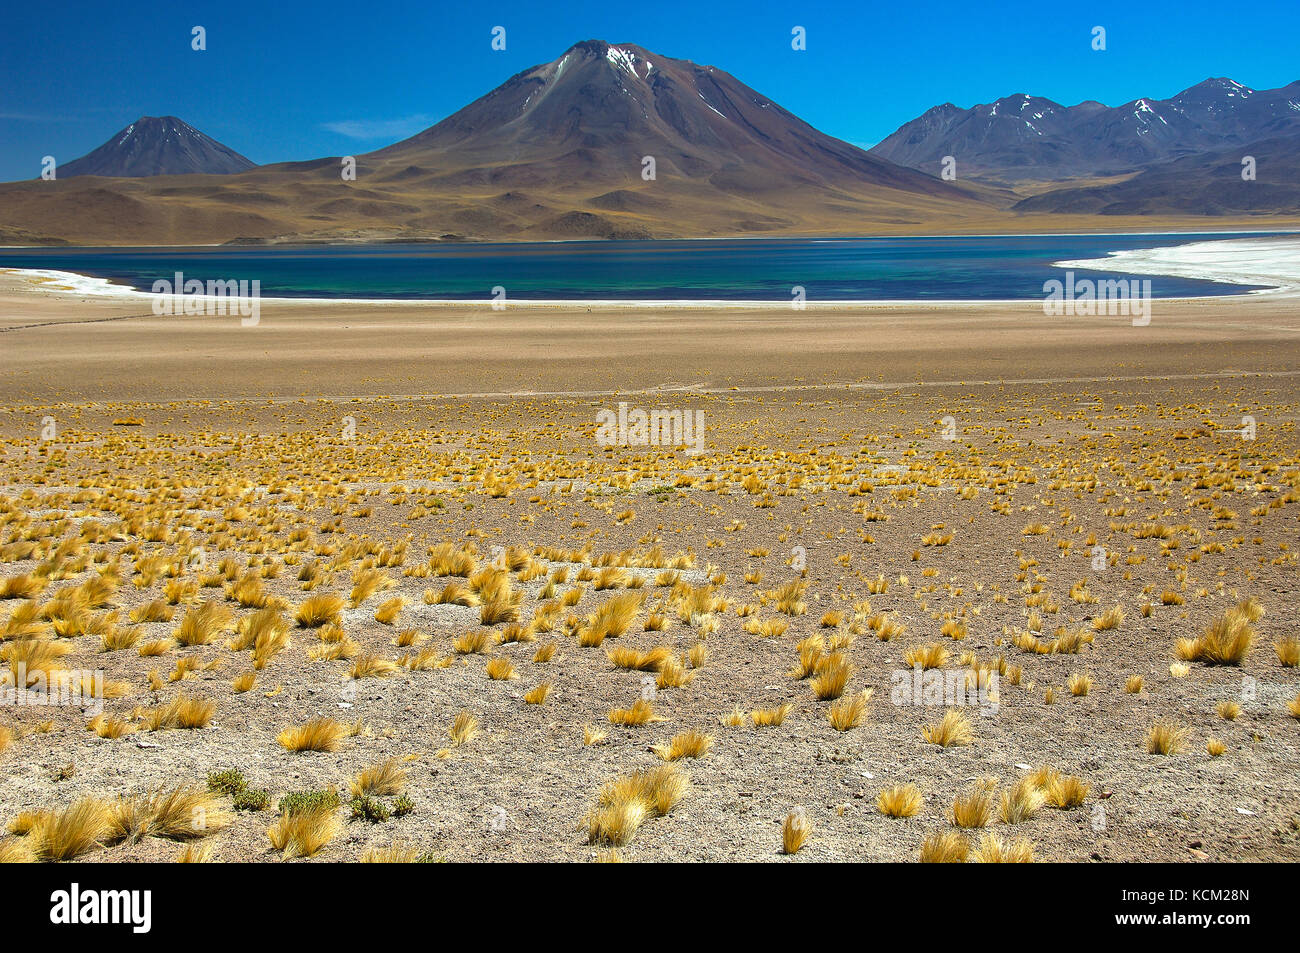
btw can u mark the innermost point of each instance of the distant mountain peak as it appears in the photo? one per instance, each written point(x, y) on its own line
point(158, 145)
point(1230, 86)
point(1024, 137)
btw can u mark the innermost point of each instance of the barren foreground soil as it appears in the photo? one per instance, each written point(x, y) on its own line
point(1039, 508)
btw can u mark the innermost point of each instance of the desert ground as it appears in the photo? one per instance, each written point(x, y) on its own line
point(378, 531)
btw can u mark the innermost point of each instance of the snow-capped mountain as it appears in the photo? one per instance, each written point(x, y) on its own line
point(1023, 138)
point(598, 110)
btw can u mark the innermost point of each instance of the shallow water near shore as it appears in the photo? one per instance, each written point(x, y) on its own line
point(972, 268)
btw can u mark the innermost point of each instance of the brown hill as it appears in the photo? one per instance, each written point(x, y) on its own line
point(1210, 183)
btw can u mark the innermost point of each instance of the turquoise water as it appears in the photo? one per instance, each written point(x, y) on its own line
point(863, 269)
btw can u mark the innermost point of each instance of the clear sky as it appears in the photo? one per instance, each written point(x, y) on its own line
point(284, 80)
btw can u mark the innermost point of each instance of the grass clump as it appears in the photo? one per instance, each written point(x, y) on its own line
point(319, 734)
point(1226, 642)
point(954, 730)
point(624, 804)
point(903, 800)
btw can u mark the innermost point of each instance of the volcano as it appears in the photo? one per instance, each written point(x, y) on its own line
point(600, 110)
point(158, 146)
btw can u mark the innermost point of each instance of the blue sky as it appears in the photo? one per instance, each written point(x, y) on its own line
point(288, 80)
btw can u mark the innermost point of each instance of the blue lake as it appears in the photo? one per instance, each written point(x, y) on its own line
point(864, 269)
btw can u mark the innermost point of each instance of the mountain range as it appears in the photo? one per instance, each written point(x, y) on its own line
point(1027, 138)
point(615, 141)
point(557, 151)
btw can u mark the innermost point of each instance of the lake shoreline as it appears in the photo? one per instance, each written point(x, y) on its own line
point(68, 348)
point(1266, 264)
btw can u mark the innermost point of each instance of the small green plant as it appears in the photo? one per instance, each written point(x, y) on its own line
point(301, 802)
point(367, 808)
point(403, 806)
point(252, 799)
point(230, 782)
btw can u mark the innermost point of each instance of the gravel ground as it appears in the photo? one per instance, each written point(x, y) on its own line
point(1100, 463)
